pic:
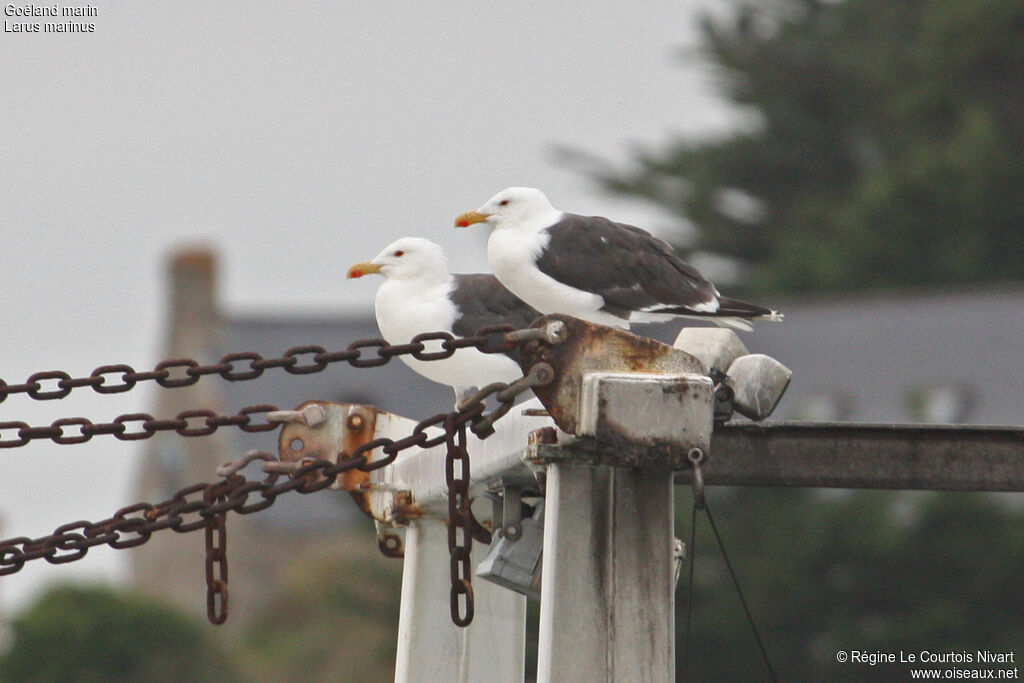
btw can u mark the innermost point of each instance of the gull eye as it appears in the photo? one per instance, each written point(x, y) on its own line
point(399, 253)
point(503, 202)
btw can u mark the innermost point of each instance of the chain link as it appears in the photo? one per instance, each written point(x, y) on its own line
point(217, 556)
point(460, 540)
point(246, 365)
point(136, 426)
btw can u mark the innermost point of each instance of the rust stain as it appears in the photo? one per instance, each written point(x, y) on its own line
point(594, 348)
point(404, 508)
point(347, 427)
point(359, 429)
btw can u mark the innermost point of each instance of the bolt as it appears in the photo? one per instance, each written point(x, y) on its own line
point(390, 545)
point(535, 412)
point(356, 422)
point(311, 415)
point(314, 415)
point(542, 373)
point(556, 332)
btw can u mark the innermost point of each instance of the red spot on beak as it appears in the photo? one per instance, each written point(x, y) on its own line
point(464, 220)
point(361, 269)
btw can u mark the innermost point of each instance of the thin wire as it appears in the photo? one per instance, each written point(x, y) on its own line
point(692, 551)
point(739, 591)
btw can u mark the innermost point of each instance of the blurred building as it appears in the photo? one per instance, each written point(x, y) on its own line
point(937, 357)
point(261, 546)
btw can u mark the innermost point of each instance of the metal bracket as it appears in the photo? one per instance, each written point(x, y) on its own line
point(321, 430)
point(636, 420)
point(724, 394)
point(390, 539)
point(515, 561)
point(659, 412)
point(506, 494)
point(594, 348)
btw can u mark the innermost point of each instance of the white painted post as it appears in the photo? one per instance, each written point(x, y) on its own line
point(608, 581)
point(430, 646)
point(607, 589)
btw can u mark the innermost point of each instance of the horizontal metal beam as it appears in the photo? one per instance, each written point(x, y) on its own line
point(850, 455)
point(878, 456)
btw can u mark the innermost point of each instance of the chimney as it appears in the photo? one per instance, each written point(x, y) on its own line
point(194, 315)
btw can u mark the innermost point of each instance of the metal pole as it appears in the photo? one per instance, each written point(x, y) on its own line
point(607, 610)
point(430, 646)
point(881, 456)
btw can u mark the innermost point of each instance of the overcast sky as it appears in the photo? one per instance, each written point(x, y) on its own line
point(296, 138)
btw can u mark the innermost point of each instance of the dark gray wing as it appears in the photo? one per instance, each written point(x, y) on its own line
point(482, 301)
point(629, 267)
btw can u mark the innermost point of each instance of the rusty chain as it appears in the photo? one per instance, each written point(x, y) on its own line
point(298, 360)
point(135, 426)
point(205, 505)
point(460, 540)
point(216, 558)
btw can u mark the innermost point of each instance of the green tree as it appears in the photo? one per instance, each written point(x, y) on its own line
point(875, 571)
point(888, 151)
point(95, 634)
point(333, 618)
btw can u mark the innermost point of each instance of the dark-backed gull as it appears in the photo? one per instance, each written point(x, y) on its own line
point(596, 269)
point(420, 295)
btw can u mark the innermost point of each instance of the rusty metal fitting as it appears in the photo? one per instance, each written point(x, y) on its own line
point(554, 332)
point(541, 374)
point(696, 457)
point(312, 415)
point(289, 468)
point(391, 545)
point(229, 468)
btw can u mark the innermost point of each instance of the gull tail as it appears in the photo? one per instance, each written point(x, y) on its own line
point(732, 313)
point(738, 314)
point(747, 311)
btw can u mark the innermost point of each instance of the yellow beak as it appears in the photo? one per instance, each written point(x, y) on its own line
point(361, 269)
point(464, 220)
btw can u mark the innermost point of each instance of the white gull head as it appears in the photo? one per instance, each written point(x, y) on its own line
point(519, 208)
point(409, 258)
